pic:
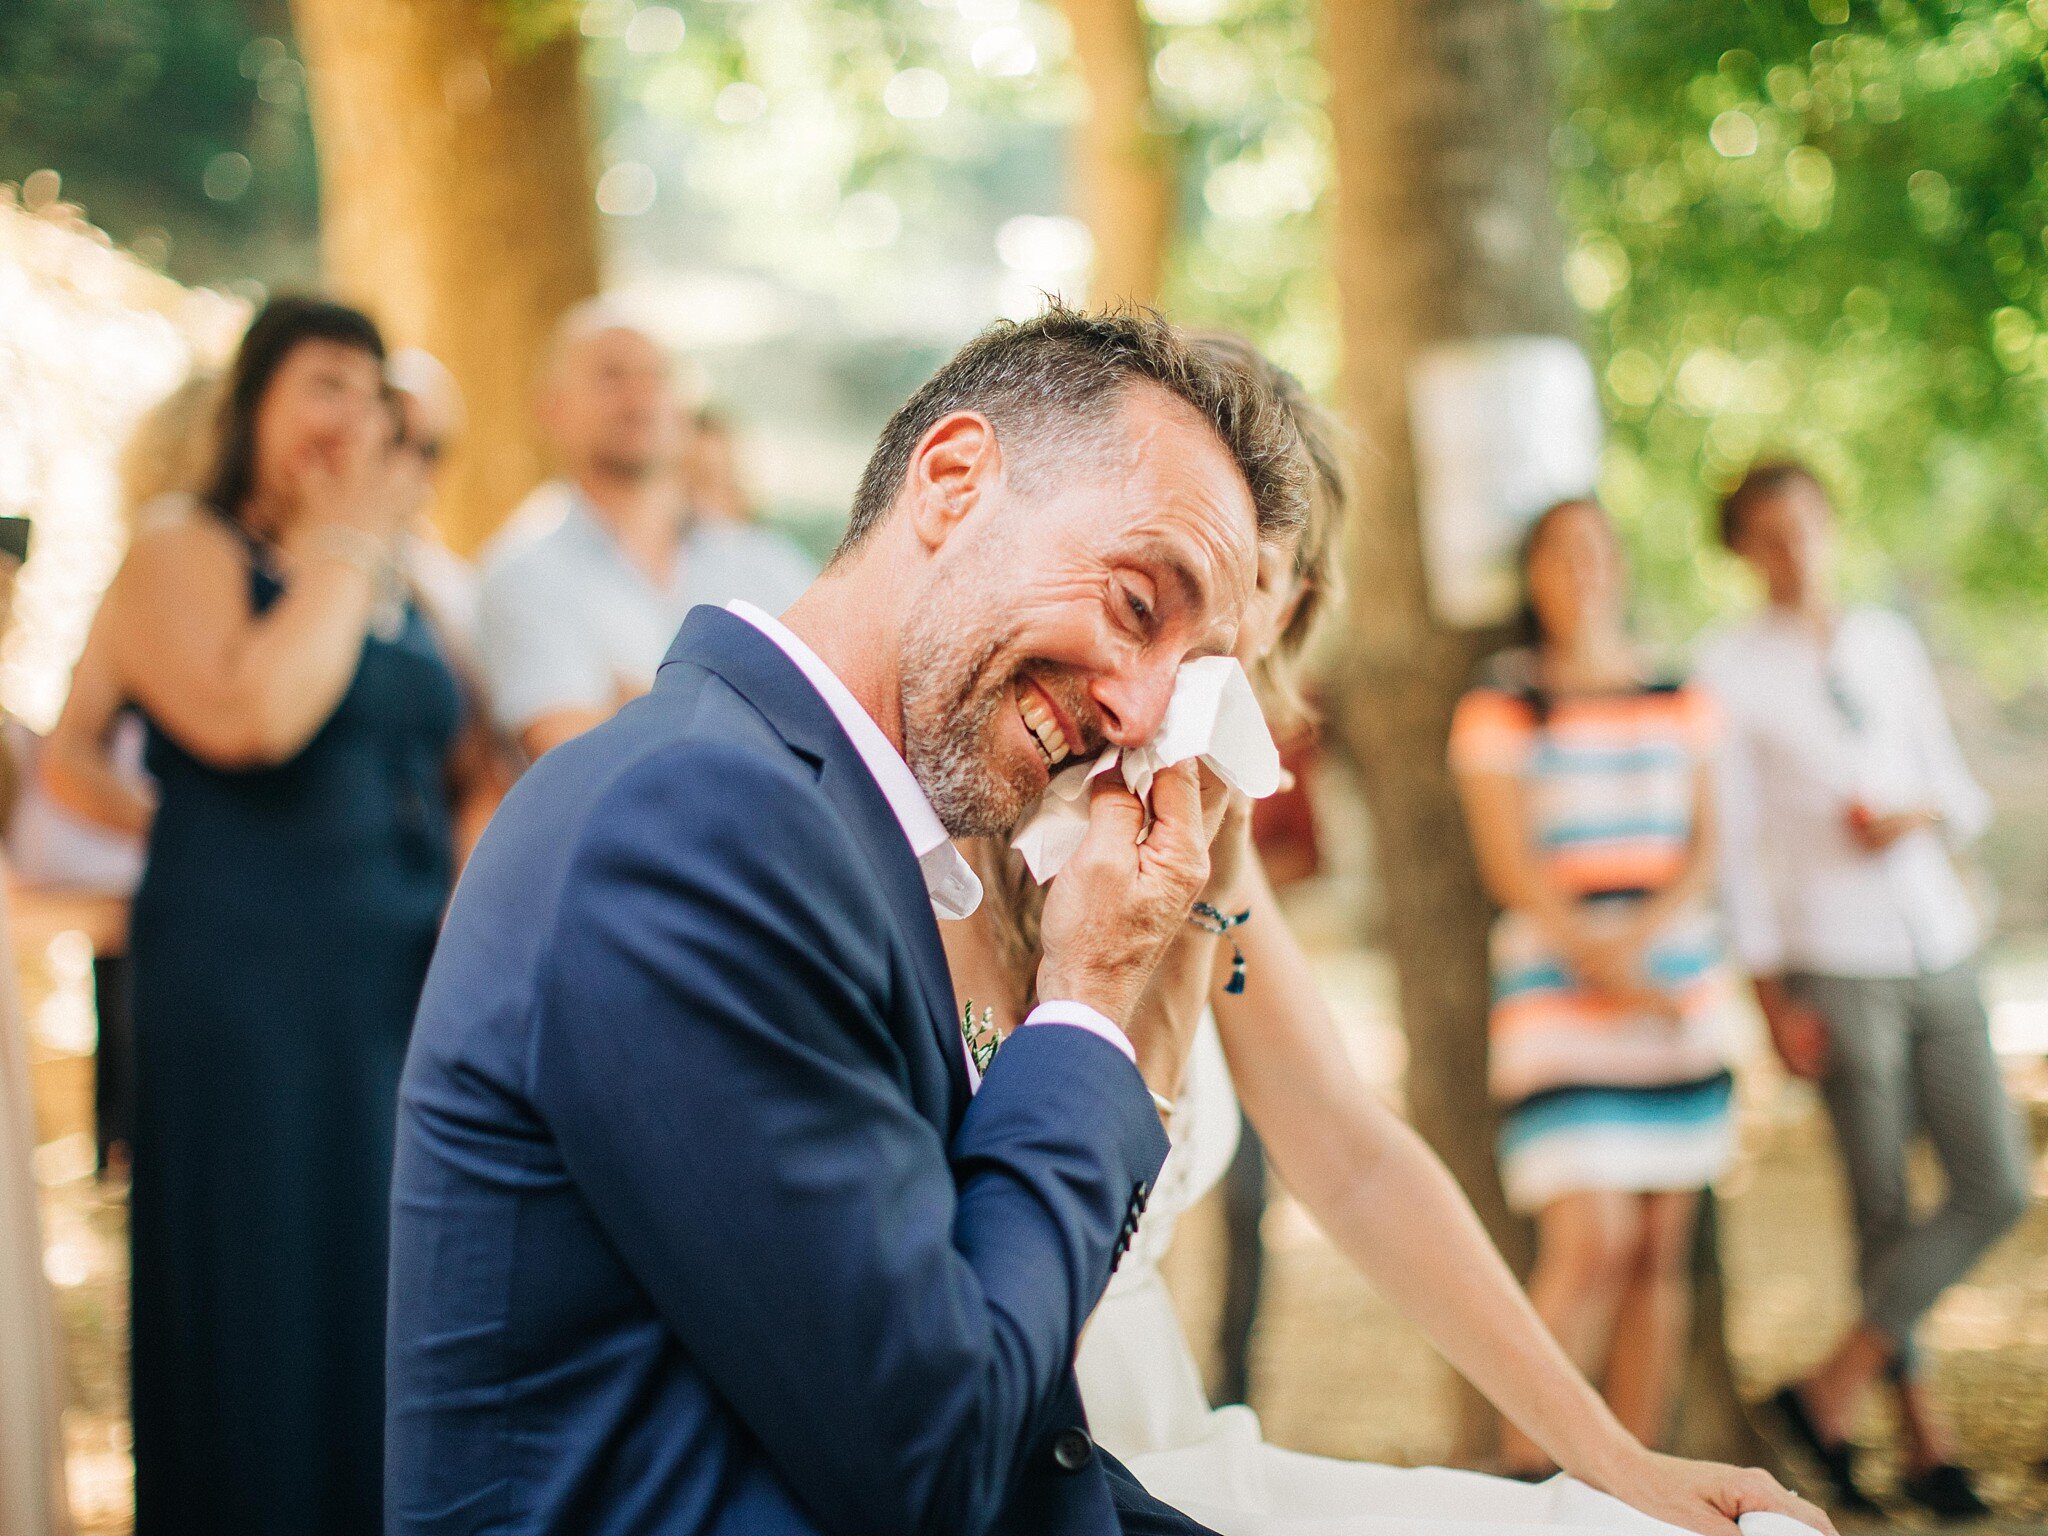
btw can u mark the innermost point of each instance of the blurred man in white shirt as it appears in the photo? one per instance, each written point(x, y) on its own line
point(1843, 795)
point(589, 582)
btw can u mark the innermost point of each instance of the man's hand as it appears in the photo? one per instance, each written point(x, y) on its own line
point(1705, 1496)
point(1229, 816)
point(1798, 1030)
point(1117, 903)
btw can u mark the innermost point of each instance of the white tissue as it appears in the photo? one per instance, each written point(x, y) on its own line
point(1213, 715)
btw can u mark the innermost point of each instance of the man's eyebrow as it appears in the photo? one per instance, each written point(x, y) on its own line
point(1193, 590)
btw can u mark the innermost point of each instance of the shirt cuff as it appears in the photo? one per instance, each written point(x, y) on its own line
point(1081, 1016)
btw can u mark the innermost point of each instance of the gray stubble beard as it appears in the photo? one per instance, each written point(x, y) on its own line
point(945, 747)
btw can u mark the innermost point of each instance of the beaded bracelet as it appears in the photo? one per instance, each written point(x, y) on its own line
point(1211, 920)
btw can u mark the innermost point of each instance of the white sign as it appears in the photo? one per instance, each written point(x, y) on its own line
point(1502, 429)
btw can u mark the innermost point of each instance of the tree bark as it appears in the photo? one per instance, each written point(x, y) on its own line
point(457, 206)
point(1124, 162)
point(1444, 230)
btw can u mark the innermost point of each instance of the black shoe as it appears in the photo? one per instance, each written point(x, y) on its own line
point(1837, 1460)
point(1947, 1491)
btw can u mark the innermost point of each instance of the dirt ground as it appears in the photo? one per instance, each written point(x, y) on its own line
point(1336, 1371)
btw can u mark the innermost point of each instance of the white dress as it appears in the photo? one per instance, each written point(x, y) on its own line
point(1146, 1403)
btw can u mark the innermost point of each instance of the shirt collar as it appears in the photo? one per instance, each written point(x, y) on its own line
point(949, 880)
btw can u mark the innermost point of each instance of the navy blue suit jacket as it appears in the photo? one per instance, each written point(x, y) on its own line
point(696, 1228)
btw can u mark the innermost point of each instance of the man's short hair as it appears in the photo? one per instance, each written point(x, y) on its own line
point(1766, 477)
point(1055, 382)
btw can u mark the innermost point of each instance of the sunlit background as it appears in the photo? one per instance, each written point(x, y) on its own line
point(1813, 227)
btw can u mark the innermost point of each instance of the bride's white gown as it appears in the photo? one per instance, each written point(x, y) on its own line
point(1146, 1403)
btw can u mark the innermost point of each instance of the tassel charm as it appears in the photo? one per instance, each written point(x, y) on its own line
point(1211, 920)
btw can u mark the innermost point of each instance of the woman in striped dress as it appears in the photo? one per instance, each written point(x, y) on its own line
point(1586, 786)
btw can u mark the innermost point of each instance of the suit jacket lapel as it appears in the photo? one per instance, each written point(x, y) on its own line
point(756, 667)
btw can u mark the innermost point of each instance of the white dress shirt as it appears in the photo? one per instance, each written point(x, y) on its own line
point(949, 879)
point(1814, 728)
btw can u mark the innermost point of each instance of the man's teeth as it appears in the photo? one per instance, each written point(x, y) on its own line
point(1044, 729)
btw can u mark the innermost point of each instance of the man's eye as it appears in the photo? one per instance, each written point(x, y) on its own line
point(1140, 609)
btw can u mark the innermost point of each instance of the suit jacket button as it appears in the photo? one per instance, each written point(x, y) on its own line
point(1072, 1449)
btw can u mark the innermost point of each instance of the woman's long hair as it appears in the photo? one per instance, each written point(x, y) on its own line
point(273, 335)
point(1013, 901)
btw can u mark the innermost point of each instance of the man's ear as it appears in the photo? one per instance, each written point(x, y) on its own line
point(952, 467)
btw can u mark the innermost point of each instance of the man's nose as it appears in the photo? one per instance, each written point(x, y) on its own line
point(1132, 701)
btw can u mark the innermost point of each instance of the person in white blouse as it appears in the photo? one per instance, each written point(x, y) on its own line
point(1843, 798)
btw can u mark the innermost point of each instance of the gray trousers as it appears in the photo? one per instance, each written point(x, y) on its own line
point(1907, 1054)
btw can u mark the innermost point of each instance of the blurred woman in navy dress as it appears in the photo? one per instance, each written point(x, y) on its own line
point(302, 729)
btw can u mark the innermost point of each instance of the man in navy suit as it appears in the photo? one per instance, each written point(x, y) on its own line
point(704, 1219)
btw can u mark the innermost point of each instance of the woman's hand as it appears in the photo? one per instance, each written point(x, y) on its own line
point(361, 483)
point(1607, 960)
point(1705, 1496)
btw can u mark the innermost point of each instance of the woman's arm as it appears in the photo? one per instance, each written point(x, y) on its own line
point(234, 688)
point(1387, 1201)
point(77, 769)
point(1192, 965)
point(1497, 812)
point(243, 690)
point(1390, 1205)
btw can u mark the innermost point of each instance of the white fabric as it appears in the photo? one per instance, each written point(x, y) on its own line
point(949, 880)
point(1081, 1016)
point(955, 888)
point(51, 847)
point(447, 585)
point(1213, 715)
point(1617, 1156)
point(1145, 1403)
point(1812, 730)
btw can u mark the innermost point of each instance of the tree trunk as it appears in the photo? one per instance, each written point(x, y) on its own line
point(1124, 162)
point(456, 205)
point(1444, 230)
point(1711, 1420)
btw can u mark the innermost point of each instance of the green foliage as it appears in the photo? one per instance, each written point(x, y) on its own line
point(178, 125)
point(531, 24)
point(1819, 230)
point(886, 126)
point(1812, 226)
point(1240, 85)
point(872, 156)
